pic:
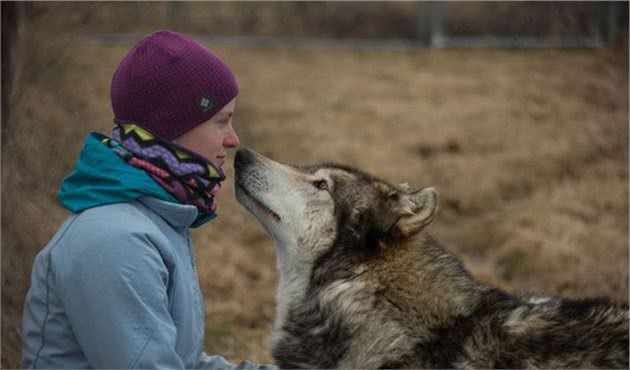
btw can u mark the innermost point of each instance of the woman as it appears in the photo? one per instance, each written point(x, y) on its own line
point(116, 287)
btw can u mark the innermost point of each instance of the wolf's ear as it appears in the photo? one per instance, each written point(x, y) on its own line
point(416, 212)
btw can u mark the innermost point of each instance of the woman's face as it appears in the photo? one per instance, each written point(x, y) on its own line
point(212, 138)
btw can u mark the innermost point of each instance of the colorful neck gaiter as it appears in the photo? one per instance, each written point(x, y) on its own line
point(187, 176)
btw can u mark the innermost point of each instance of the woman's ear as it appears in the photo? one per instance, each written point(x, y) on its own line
point(416, 211)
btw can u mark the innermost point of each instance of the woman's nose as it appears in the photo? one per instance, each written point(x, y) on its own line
point(231, 140)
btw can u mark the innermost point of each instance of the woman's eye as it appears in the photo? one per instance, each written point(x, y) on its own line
point(321, 184)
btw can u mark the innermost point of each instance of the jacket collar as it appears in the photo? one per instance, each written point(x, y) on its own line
point(180, 216)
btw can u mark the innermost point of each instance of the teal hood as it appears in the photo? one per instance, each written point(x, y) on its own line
point(101, 177)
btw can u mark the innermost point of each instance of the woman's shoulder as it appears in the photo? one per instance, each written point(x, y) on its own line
point(105, 229)
point(121, 219)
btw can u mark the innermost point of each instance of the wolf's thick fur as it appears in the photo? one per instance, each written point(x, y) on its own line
point(362, 285)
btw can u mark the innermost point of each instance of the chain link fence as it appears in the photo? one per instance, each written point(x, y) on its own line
point(365, 24)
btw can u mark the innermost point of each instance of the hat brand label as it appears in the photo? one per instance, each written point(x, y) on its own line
point(205, 103)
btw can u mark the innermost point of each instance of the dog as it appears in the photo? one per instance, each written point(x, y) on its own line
point(363, 285)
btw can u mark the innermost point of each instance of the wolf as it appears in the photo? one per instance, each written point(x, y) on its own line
point(363, 285)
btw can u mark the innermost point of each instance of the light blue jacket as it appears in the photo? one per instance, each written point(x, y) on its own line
point(117, 287)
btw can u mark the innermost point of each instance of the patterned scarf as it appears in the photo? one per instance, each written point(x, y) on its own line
point(187, 176)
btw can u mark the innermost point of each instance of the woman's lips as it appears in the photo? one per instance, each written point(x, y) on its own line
point(220, 160)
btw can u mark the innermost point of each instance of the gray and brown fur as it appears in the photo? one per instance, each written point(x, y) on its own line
point(362, 285)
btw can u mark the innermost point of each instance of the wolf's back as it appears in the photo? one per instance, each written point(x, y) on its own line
point(554, 334)
point(565, 333)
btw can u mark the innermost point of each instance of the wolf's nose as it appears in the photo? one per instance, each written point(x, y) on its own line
point(244, 157)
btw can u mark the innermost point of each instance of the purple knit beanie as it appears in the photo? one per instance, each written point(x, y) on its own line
point(169, 83)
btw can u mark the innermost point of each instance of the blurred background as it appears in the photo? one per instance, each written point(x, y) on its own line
point(516, 111)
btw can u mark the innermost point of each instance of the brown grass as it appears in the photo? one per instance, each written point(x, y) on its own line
point(528, 150)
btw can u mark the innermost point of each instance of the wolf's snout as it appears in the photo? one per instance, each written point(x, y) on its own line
point(244, 157)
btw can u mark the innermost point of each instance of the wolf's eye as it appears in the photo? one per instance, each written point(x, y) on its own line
point(321, 184)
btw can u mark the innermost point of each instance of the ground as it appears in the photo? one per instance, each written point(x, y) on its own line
point(528, 150)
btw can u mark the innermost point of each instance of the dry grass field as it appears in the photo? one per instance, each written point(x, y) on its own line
point(528, 149)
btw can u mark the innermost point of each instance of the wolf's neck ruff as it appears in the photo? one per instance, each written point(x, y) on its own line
point(187, 176)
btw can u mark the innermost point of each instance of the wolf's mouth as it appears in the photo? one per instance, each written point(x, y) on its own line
point(258, 202)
